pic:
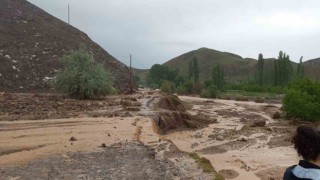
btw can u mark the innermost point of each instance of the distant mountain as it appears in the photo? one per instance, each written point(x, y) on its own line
point(312, 68)
point(313, 62)
point(32, 42)
point(236, 68)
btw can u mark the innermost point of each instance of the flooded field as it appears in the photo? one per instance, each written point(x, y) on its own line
point(237, 144)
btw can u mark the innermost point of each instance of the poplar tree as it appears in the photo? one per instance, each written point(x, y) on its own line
point(260, 69)
point(218, 76)
point(195, 70)
point(300, 68)
point(190, 70)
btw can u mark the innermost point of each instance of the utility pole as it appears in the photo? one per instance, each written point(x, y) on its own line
point(131, 89)
point(68, 14)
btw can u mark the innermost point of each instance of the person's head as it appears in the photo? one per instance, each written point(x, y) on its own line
point(307, 142)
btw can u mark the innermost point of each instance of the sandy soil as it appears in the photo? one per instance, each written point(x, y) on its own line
point(234, 147)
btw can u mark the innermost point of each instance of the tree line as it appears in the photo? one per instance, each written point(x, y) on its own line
point(267, 77)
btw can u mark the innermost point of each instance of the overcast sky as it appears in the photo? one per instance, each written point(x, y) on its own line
point(155, 31)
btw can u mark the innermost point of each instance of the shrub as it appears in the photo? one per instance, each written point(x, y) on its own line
point(259, 100)
point(209, 92)
point(181, 90)
point(167, 87)
point(241, 98)
point(302, 100)
point(82, 78)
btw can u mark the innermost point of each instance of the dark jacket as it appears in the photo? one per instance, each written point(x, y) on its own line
point(288, 175)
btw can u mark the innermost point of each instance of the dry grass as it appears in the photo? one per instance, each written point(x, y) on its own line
point(206, 165)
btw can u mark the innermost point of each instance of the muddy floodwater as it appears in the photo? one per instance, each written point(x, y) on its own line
point(230, 144)
point(237, 149)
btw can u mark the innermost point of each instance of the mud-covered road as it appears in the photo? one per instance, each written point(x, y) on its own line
point(119, 138)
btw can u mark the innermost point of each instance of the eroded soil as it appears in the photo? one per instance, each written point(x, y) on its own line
point(120, 137)
point(233, 145)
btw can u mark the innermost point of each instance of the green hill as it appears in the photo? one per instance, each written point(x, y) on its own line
point(236, 68)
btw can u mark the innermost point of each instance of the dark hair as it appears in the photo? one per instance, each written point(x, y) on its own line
point(307, 142)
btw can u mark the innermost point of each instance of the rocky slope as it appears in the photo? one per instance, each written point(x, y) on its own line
point(31, 44)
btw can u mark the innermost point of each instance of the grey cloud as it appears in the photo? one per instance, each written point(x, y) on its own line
point(155, 31)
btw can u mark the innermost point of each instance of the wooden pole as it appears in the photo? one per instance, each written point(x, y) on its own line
point(68, 14)
point(131, 89)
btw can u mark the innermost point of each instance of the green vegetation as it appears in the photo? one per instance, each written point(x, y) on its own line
point(300, 69)
point(302, 100)
point(283, 70)
point(206, 165)
point(210, 92)
point(218, 77)
point(82, 78)
point(260, 69)
point(167, 87)
point(159, 73)
point(265, 76)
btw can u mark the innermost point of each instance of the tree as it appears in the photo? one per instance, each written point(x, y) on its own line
point(190, 75)
point(260, 69)
point(283, 69)
point(300, 68)
point(82, 78)
point(195, 70)
point(159, 73)
point(209, 92)
point(218, 77)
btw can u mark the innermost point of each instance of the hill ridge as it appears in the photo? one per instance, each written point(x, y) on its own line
point(32, 42)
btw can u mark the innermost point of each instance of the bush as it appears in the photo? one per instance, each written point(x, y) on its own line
point(302, 100)
point(81, 78)
point(209, 92)
point(181, 90)
point(259, 100)
point(241, 98)
point(167, 87)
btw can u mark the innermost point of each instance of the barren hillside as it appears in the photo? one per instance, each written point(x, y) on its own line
point(31, 44)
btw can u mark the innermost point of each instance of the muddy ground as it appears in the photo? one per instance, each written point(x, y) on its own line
point(144, 136)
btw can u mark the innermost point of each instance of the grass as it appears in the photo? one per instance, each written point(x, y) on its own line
point(206, 165)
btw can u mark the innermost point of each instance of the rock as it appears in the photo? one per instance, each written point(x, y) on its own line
point(193, 145)
point(276, 115)
point(132, 108)
point(73, 139)
point(243, 120)
point(103, 145)
point(229, 173)
point(219, 138)
point(258, 123)
point(243, 139)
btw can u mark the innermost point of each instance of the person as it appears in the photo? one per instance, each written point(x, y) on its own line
point(307, 143)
